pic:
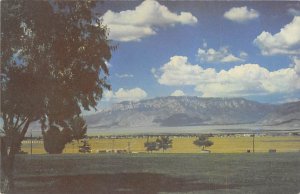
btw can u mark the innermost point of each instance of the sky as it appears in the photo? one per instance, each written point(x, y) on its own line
point(203, 48)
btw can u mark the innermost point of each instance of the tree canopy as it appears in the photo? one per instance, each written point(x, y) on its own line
point(164, 143)
point(55, 140)
point(151, 146)
point(53, 64)
point(203, 142)
point(78, 127)
point(52, 56)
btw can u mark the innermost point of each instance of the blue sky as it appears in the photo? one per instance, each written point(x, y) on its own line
point(208, 49)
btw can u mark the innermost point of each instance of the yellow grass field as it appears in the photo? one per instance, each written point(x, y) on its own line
point(229, 144)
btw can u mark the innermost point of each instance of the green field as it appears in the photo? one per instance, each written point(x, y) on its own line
point(158, 173)
point(229, 144)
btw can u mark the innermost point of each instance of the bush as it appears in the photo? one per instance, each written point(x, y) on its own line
point(55, 140)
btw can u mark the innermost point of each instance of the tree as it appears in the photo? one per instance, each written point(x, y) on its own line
point(55, 140)
point(151, 146)
point(85, 148)
point(203, 142)
point(53, 65)
point(164, 143)
point(78, 127)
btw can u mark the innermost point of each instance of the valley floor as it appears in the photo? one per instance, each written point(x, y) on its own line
point(222, 144)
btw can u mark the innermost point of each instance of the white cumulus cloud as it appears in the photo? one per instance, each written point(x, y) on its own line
point(241, 14)
point(178, 71)
point(250, 79)
point(122, 94)
point(222, 55)
point(144, 20)
point(178, 93)
point(242, 80)
point(287, 41)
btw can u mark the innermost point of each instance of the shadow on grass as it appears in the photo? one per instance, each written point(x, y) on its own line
point(146, 183)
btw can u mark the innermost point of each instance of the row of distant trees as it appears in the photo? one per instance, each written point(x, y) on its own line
point(164, 143)
point(55, 140)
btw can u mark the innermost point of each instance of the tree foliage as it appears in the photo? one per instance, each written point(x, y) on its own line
point(51, 60)
point(164, 143)
point(53, 64)
point(151, 146)
point(78, 127)
point(86, 147)
point(55, 140)
point(203, 142)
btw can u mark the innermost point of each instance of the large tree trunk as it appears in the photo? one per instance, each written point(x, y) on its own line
point(9, 149)
point(7, 167)
point(3, 154)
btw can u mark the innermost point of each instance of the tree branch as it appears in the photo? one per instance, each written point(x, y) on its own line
point(21, 123)
point(24, 130)
point(11, 120)
point(5, 121)
point(17, 121)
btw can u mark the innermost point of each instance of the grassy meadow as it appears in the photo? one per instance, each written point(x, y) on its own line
point(230, 144)
point(158, 173)
point(228, 169)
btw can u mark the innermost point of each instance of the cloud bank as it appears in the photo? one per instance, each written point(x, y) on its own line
point(122, 94)
point(285, 42)
point(242, 80)
point(143, 21)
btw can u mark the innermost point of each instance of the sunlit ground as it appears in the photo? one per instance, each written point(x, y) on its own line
point(183, 145)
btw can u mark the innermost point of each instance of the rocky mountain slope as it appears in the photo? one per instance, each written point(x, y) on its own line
point(288, 113)
point(194, 111)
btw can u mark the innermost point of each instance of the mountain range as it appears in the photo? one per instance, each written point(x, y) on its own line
point(195, 111)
